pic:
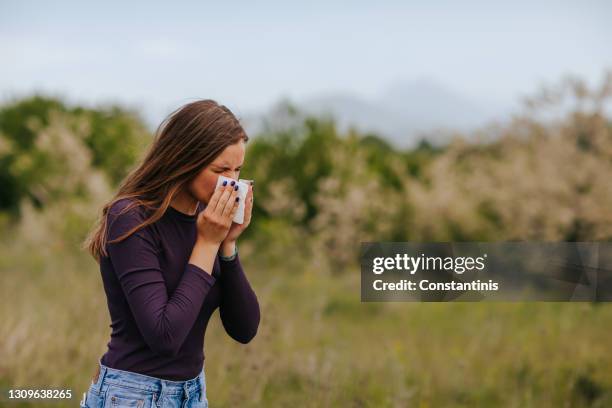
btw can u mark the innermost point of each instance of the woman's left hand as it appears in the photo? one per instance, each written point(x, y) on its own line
point(236, 229)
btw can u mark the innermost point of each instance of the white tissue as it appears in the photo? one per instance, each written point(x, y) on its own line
point(243, 189)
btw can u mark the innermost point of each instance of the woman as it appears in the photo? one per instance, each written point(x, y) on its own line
point(167, 251)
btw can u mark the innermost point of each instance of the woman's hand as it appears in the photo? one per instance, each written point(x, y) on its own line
point(215, 221)
point(236, 229)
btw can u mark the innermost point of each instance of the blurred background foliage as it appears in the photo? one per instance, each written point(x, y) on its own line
point(544, 175)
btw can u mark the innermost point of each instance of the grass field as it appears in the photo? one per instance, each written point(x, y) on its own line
point(317, 345)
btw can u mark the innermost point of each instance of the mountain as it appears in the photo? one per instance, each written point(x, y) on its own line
point(403, 112)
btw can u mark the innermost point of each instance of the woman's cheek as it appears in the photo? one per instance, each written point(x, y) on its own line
point(201, 190)
point(209, 185)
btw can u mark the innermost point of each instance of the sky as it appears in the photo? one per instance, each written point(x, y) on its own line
point(249, 55)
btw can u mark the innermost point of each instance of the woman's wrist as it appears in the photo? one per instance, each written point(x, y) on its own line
point(229, 250)
point(203, 254)
point(203, 243)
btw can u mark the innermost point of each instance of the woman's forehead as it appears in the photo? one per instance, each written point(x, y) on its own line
point(232, 155)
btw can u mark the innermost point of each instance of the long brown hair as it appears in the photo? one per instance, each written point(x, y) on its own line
point(188, 140)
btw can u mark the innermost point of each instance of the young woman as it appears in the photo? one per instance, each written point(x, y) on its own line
point(166, 245)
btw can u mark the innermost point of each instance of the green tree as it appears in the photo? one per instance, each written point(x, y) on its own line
point(113, 138)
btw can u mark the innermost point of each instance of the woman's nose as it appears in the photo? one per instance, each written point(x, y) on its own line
point(232, 174)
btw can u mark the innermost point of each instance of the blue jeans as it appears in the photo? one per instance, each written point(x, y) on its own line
point(118, 388)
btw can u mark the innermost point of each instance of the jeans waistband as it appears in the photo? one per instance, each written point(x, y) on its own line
point(148, 383)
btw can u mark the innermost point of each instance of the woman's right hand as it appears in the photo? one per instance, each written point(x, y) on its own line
point(215, 221)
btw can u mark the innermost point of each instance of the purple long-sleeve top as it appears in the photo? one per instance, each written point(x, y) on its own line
point(160, 304)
